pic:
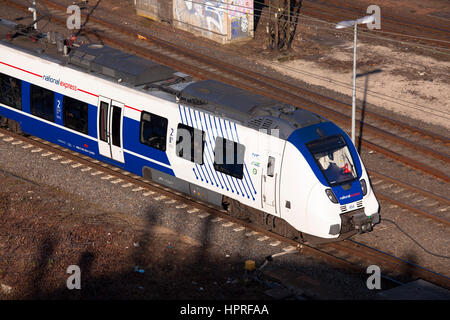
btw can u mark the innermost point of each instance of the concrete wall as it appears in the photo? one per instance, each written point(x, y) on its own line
point(240, 13)
point(158, 10)
point(220, 20)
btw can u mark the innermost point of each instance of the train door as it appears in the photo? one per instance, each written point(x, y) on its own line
point(110, 128)
point(269, 183)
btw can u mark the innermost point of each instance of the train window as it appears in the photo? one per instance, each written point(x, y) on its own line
point(334, 159)
point(75, 114)
point(190, 143)
point(153, 130)
point(10, 91)
point(271, 166)
point(229, 157)
point(42, 103)
point(116, 119)
point(103, 121)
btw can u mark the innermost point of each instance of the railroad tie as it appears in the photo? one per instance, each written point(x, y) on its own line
point(228, 224)
point(275, 243)
point(47, 154)
point(431, 203)
point(204, 215)
point(127, 185)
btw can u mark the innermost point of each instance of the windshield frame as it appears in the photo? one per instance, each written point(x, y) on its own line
point(344, 144)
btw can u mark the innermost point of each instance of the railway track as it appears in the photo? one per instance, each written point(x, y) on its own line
point(411, 198)
point(429, 32)
point(348, 255)
point(424, 151)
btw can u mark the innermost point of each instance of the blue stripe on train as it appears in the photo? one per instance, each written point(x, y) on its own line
point(132, 142)
point(87, 144)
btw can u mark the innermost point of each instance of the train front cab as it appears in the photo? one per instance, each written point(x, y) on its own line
point(318, 202)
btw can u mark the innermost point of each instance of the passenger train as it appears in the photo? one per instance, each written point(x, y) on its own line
point(238, 149)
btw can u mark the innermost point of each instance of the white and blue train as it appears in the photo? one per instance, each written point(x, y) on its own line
point(288, 164)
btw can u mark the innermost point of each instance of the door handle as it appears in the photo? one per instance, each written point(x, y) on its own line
point(275, 194)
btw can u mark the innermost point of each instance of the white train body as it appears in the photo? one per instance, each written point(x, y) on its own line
point(131, 118)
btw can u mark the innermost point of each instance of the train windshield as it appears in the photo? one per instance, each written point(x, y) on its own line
point(334, 159)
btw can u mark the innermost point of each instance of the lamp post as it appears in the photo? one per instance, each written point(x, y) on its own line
point(33, 9)
point(346, 24)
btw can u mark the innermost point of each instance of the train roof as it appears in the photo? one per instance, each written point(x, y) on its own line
point(249, 109)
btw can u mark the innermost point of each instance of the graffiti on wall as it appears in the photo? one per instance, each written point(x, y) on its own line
point(203, 14)
point(240, 11)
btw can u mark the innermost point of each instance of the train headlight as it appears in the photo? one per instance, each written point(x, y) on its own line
point(331, 196)
point(363, 187)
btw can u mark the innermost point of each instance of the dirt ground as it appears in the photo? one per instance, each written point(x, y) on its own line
point(43, 231)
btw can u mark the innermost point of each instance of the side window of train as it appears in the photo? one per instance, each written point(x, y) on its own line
point(75, 114)
point(229, 157)
point(10, 91)
point(270, 166)
point(153, 131)
point(42, 103)
point(190, 143)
